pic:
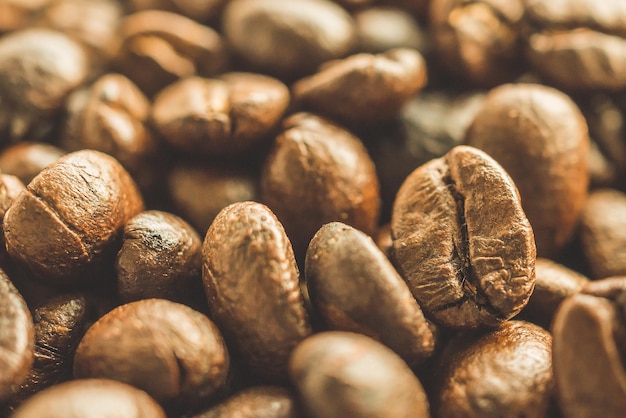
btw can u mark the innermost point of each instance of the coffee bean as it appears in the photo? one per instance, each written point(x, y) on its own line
point(382, 28)
point(251, 280)
point(462, 240)
point(384, 83)
point(17, 14)
point(160, 257)
point(38, 69)
point(174, 353)
point(355, 288)
point(10, 188)
point(91, 398)
point(337, 374)
point(506, 372)
point(288, 38)
point(199, 10)
point(256, 402)
point(223, 116)
point(16, 338)
point(26, 159)
point(65, 223)
point(317, 173)
point(602, 235)
point(589, 338)
point(159, 48)
point(540, 138)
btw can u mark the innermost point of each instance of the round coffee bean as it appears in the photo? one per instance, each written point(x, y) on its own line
point(26, 159)
point(17, 338)
point(90, 398)
point(462, 240)
point(65, 223)
point(256, 402)
point(174, 353)
point(355, 288)
point(506, 372)
point(251, 280)
point(341, 374)
point(540, 138)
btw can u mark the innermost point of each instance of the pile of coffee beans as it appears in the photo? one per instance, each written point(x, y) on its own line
point(312, 208)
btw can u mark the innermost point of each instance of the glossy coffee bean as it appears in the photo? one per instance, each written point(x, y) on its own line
point(354, 287)
point(336, 374)
point(174, 353)
point(256, 402)
point(67, 220)
point(251, 281)
point(462, 241)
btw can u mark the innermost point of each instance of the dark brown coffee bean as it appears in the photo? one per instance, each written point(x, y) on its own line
point(553, 284)
point(26, 159)
point(160, 257)
point(382, 28)
point(251, 280)
point(159, 48)
point(91, 398)
point(256, 402)
point(317, 173)
point(506, 372)
point(589, 351)
point(199, 10)
point(38, 69)
point(384, 83)
point(288, 38)
point(540, 138)
point(478, 40)
point(174, 353)
point(578, 44)
point(341, 374)
point(223, 116)
point(462, 240)
point(16, 338)
point(65, 223)
point(354, 287)
point(199, 192)
point(603, 233)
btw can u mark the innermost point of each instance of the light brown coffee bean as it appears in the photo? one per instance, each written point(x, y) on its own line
point(256, 402)
point(26, 159)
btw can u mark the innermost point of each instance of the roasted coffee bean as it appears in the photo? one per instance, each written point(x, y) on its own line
point(506, 372)
point(15, 14)
point(160, 257)
point(199, 192)
point(10, 188)
point(589, 351)
point(159, 48)
point(199, 10)
point(16, 338)
point(363, 88)
point(462, 241)
point(354, 287)
point(478, 40)
point(540, 138)
point(59, 325)
point(553, 283)
point(38, 69)
point(382, 28)
point(578, 44)
point(64, 224)
point(91, 398)
point(341, 374)
point(256, 402)
point(223, 116)
point(603, 237)
point(174, 353)
point(251, 280)
point(317, 173)
point(26, 159)
point(288, 38)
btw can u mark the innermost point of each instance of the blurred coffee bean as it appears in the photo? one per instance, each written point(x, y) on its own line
point(540, 138)
point(462, 241)
point(15, 14)
point(26, 159)
point(256, 402)
point(382, 28)
point(317, 173)
point(159, 48)
point(199, 10)
point(38, 69)
point(251, 281)
point(288, 38)
point(363, 89)
point(336, 374)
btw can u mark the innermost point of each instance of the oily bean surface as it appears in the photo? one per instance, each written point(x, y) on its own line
point(251, 281)
point(462, 241)
point(354, 287)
